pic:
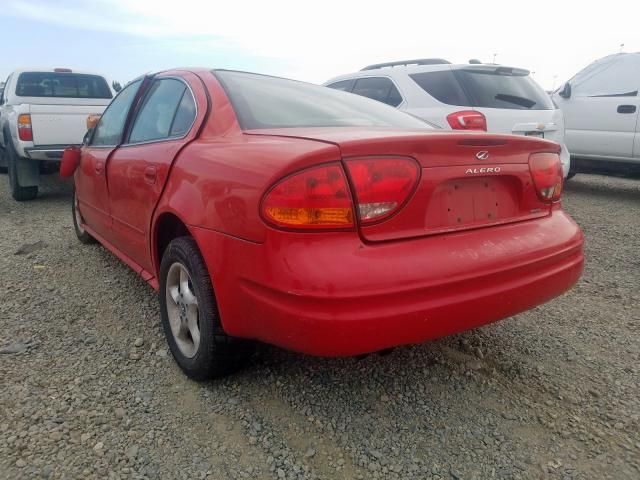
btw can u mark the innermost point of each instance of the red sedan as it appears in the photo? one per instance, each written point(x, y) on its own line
point(320, 221)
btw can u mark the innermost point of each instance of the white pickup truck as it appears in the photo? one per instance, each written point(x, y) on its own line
point(41, 113)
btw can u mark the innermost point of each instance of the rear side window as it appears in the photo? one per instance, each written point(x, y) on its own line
point(185, 115)
point(158, 111)
point(378, 88)
point(64, 85)
point(344, 85)
point(442, 86)
point(493, 89)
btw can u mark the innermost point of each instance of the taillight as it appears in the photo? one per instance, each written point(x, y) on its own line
point(316, 198)
point(467, 120)
point(546, 171)
point(382, 185)
point(25, 132)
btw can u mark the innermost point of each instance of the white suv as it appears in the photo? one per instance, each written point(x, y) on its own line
point(476, 96)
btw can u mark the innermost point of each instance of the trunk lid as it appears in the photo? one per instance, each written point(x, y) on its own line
point(55, 124)
point(468, 180)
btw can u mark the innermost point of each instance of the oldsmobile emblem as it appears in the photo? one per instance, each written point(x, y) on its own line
point(482, 155)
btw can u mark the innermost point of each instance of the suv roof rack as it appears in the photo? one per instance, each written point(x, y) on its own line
point(418, 61)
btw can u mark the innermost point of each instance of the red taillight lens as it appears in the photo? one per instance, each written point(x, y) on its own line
point(467, 120)
point(25, 133)
point(316, 198)
point(382, 185)
point(546, 171)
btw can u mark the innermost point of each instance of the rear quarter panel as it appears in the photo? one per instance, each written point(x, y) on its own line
point(218, 183)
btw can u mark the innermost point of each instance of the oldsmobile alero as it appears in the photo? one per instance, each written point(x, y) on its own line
point(320, 221)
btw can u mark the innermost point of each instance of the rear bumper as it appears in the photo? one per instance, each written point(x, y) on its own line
point(46, 152)
point(335, 296)
point(605, 165)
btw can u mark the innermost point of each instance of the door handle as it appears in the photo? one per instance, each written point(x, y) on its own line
point(150, 174)
point(626, 109)
point(98, 166)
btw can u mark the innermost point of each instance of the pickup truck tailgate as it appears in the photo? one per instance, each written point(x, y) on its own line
point(61, 124)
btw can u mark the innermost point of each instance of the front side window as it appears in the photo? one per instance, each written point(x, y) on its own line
point(111, 125)
point(64, 85)
point(378, 88)
point(617, 77)
point(158, 111)
point(260, 101)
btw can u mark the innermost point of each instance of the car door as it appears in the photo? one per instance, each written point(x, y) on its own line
point(137, 171)
point(90, 181)
point(601, 113)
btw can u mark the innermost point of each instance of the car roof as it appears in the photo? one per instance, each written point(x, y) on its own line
point(391, 71)
point(53, 70)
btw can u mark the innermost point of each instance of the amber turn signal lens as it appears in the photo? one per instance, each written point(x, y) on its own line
point(92, 121)
point(24, 120)
point(311, 216)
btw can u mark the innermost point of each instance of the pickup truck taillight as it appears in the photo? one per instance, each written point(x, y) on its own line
point(25, 133)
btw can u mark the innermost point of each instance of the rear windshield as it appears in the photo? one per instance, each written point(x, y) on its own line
point(268, 102)
point(491, 88)
point(64, 85)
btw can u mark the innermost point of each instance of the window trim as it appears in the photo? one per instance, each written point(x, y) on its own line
point(378, 76)
point(139, 108)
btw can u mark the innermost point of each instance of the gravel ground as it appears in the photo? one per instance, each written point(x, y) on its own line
point(88, 390)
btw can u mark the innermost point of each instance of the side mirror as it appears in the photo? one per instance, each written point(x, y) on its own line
point(70, 161)
point(566, 91)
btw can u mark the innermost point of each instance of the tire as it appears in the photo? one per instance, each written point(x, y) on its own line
point(18, 192)
point(187, 302)
point(78, 222)
point(571, 174)
point(3, 160)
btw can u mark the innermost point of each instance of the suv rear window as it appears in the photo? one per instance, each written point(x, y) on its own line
point(489, 88)
point(63, 85)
